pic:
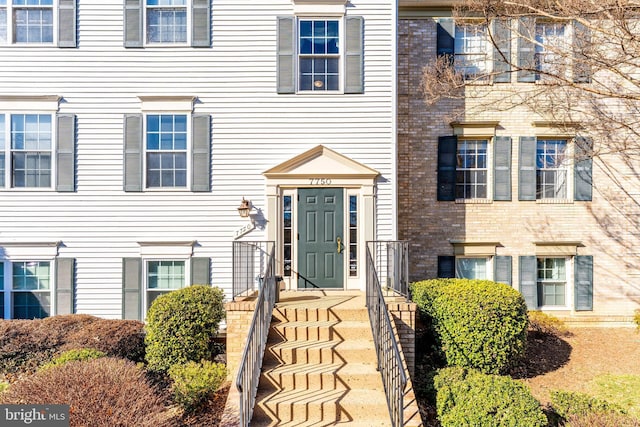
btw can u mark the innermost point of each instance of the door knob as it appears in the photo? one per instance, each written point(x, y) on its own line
point(339, 240)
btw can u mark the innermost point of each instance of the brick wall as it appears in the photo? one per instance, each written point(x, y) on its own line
point(607, 227)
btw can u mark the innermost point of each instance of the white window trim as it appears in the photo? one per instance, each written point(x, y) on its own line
point(11, 25)
point(489, 197)
point(568, 290)
point(568, 40)
point(8, 283)
point(341, 53)
point(488, 66)
point(189, 149)
point(360, 235)
point(145, 276)
point(569, 156)
point(294, 232)
point(145, 33)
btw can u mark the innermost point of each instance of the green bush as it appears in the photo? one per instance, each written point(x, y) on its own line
point(194, 382)
point(572, 403)
point(479, 324)
point(181, 326)
point(78, 354)
point(466, 397)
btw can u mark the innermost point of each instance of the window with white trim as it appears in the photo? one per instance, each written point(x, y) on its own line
point(318, 54)
point(166, 150)
point(162, 277)
point(26, 289)
point(26, 150)
point(471, 50)
point(551, 42)
point(166, 21)
point(27, 21)
point(472, 268)
point(353, 235)
point(552, 170)
point(471, 169)
point(552, 282)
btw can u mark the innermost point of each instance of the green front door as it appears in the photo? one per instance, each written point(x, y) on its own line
point(320, 243)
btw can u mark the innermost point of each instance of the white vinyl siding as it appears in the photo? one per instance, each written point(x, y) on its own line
point(253, 129)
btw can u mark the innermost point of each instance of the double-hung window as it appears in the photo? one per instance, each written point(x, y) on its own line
point(26, 289)
point(551, 169)
point(319, 55)
point(166, 21)
point(156, 23)
point(471, 50)
point(550, 48)
point(552, 282)
point(37, 151)
point(471, 169)
point(162, 277)
point(166, 150)
point(27, 21)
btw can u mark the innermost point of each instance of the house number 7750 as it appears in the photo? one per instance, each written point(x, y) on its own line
point(320, 181)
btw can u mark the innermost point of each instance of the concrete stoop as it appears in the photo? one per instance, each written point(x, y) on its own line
point(320, 370)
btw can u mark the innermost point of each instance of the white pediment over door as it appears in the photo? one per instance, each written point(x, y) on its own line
point(321, 161)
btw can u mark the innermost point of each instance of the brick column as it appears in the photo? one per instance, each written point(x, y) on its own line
point(404, 316)
point(239, 316)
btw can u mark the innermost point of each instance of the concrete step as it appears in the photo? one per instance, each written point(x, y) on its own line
point(321, 407)
point(330, 330)
point(285, 314)
point(357, 350)
point(337, 376)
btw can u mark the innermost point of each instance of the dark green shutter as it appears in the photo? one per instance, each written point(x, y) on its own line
point(64, 295)
point(581, 43)
point(132, 288)
point(133, 152)
point(502, 269)
point(447, 150)
point(445, 42)
point(583, 169)
point(65, 152)
point(502, 168)
point(529, 281)
point(502, 51)
point(446, 267)
point(133, 27)
point(526, 50)
point(201, 23)
point(527, 172)
point(200, 271)
point(66, 23)
point(286, 54)
point(201, 153)
point(583, 282)
point(354, 55)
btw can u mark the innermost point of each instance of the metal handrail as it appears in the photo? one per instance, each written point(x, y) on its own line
point(251, 362)
point(249, 262)
point(391, 261)
point(390, 363)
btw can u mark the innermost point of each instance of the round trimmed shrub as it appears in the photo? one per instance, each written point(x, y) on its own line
point(478, 323)
point(78, 354)
point(102, 392)
point(194, 382)
point(466, 397)
point(181, 326)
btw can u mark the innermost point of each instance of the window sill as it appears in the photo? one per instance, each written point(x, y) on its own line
point(554, 201)
point(474, 201)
